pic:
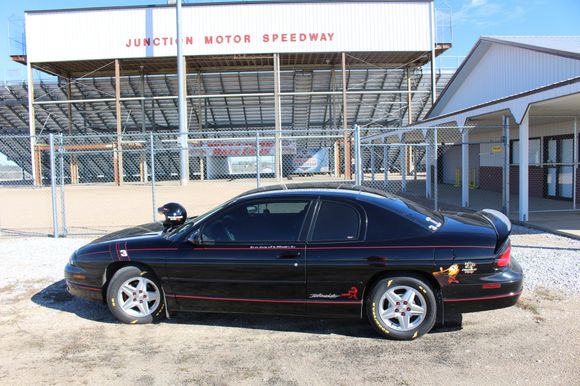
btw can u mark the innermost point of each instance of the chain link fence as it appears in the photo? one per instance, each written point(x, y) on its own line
point(89, 185)
point(93, 184)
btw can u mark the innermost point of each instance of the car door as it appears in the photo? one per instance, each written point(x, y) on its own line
point(334, 256)
point(250, 258)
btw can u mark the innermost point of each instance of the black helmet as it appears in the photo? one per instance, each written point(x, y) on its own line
point(174, 213)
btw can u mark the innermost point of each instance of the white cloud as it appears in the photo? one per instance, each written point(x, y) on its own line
point(485, 13)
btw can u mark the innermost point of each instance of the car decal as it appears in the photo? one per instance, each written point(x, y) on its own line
point(93, 253)
point(290, 301)
point(483, 298)
point(451, 273)
point(118, 258)
point(150, 249)
point(343, 247)
point(352, 293)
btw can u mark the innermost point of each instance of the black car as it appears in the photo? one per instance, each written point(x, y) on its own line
point(319, 250)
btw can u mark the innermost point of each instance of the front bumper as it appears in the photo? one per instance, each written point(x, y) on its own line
point(477, 298)
point(80, 284)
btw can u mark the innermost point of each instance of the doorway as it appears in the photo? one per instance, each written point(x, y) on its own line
point(559, 166)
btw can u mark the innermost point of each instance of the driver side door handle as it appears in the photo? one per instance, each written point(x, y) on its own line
point(290, 255)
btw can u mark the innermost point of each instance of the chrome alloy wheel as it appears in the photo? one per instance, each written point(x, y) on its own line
point(402, 308)
point(139, 297)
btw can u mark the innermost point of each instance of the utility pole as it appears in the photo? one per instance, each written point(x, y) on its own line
point(181, 103)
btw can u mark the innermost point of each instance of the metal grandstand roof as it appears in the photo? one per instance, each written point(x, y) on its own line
point(98, 68)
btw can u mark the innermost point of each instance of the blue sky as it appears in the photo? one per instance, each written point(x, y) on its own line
point(471, 19)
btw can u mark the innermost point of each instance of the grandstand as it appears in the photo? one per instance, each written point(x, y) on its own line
point(377, 84)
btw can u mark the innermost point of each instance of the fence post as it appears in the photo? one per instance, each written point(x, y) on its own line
point(372, 162)
point(357, 156)
point(403, 157)
point(385, 165)
point(506, 165)
point(62, 200)
point(153, 193)
point(53, 188)
point(257, 159)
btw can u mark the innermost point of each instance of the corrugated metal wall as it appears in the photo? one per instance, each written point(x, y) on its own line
point(263, 28)
point(506, 70)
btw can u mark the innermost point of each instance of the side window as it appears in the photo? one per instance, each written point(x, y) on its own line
point(259, 221)
point(336, 221)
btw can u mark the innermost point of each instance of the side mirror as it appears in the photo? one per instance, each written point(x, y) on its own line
point(194, 238)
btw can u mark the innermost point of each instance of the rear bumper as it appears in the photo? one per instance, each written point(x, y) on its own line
point(79, 284)
point(510, 287)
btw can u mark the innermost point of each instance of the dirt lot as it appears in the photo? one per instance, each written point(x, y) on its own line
point(48, 337)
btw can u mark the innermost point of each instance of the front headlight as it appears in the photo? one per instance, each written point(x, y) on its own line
point(73, 259)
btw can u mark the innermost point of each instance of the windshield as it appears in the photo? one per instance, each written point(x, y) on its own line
point(193, 221)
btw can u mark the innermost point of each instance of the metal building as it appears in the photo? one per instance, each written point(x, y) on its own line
point(516, 101)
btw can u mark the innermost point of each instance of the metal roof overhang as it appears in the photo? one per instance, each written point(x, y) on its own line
point(235, 63)
point(555, 100)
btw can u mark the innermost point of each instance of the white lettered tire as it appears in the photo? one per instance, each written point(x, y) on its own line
point(402, 307)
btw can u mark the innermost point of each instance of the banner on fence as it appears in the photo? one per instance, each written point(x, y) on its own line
point(312, 161)
point(240, 148)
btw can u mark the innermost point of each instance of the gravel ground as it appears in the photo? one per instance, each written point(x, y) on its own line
point(48, 337)
point(548, 260)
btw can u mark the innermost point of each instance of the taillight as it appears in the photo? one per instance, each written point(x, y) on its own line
point(504, 259)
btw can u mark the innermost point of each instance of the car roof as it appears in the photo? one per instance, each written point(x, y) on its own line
point(335, 189)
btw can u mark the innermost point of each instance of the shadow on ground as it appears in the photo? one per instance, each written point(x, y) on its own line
point(56, 297)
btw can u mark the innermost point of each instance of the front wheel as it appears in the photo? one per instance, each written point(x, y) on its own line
point(402, 307)
point(134, 296)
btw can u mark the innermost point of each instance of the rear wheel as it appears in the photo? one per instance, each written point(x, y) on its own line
point(134, 296)
point(402, 307)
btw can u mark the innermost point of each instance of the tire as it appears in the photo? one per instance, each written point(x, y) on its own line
point(414, 314)
point(134, 296)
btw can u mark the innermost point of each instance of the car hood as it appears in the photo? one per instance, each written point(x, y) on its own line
point(151, 229)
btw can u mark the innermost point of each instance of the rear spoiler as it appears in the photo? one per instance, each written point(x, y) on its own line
point(501, 224)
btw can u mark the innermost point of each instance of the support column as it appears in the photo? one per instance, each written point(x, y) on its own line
point(409, 98)
point(506, 165)
point(575, 168)
point(358, 157)
point(118, 154)
point(523, 167)
point(182, 102)
point(36, 173)
point(347, 150)
point(433, 44)
point(74, 166)
point(277, 120)
point(143, 160)
point(465, 167)
point(403, 156)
